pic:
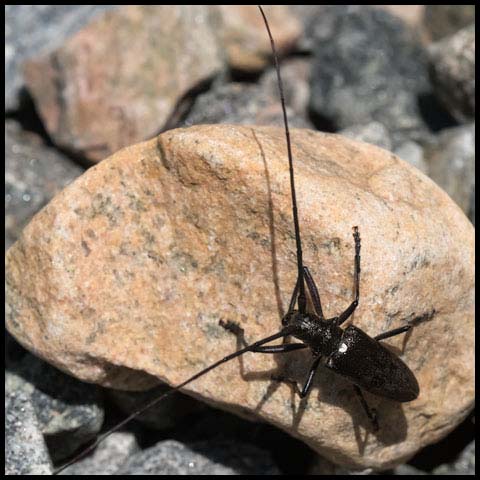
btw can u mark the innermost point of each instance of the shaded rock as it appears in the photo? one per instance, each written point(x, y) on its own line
point(471, 211)
point(368, 67)
point(451, 162)
point(463, 465)
point(452, 69)
point(34, 29)
point(118, 80)
point(376, 134)
point(245, 40)
point(34, 173)
point(213, 458)
point(373, 132)
point(125, 275)
point(441, 21)
point(411, 15)
point(412, 153)
point(69, 414)
point(258, 104)
point(308, 16)
point(408, 470)
point(108, 456)
point(14, 352)
point(161, 416)
point(321, 466)
point(25, 449)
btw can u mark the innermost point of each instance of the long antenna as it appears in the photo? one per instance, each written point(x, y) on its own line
point(302, 301)
point(283, 333)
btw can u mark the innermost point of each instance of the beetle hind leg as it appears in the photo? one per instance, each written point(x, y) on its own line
point(371, 412)
point(392, 333)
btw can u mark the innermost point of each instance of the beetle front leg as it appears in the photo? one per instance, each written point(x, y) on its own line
point(293, 300)
point(238, 331)
point(356, 281)
point(312, 288)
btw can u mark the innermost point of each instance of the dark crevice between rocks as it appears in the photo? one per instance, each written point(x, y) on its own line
point(322, 122)
point(448, 449)
point(185, 105)
point(291, 455)
point(242, 76)
point(28, 117)
point(30, 121)
point(433, 113)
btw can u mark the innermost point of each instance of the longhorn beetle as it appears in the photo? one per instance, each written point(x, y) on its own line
point(351, 352)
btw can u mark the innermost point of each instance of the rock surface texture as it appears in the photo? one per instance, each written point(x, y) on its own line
point(123, 277)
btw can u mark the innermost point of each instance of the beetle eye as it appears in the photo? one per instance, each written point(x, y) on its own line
point(288, 317)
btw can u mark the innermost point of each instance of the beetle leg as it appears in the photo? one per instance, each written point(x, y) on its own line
point(238, 331)
point(392, 333)
point(356, 280)
point(312, 288)
point(371, 412)
point(294, 296)
point(308, 384)
point(284, 348)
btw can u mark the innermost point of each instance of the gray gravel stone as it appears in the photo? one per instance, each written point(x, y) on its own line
point(34, 173)
point(108, 456)
point(368, 67)
point(213, 458)
point(373, 132)
point(69, 413)
point(443, 20)
point(25, 450)
point(452, 70)
point(256, 103)
point(412, 153)
point(451, 163)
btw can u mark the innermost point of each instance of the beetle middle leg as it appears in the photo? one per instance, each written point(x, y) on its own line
point(356, 281)
point(308, 383)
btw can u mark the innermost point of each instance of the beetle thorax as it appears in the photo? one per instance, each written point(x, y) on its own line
point(321, 336)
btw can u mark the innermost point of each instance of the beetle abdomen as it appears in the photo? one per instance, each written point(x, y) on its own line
point(368, 364)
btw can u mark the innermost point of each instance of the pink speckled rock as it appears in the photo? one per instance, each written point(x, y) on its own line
point(130, 269)
point(118, 80)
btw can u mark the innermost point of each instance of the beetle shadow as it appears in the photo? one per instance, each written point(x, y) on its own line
point(281, 373)
point(282, 360)
point(271, 229)
point(330, 389)
point(327, 386)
